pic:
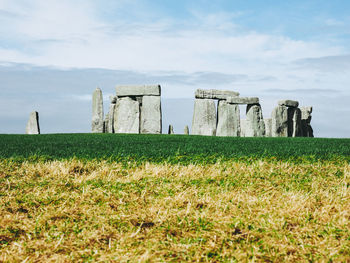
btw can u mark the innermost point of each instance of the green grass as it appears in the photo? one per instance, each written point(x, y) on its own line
point(171, 149)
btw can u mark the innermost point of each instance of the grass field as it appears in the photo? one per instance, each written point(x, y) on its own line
point(128, 198)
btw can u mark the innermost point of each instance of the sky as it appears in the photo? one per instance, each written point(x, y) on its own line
point(54, 53)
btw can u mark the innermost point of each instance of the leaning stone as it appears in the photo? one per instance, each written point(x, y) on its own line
point(288, 103)
point(127, 116)
point(204, 117)
point(33, 123)
point(97, 111)
point(268, 127)
point(228, 119)
point(151, 115)
point(242, 100)
point(255, 125)
point(294, 122)
point(215, 94)
point(142, 90)
point(171, 129)
point(186, 130)
point(306, 128)
point(279, 127)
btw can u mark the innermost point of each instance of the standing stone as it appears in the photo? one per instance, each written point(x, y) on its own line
point(268, 127)
point(110, 119)
point(306, 129)
point(33, 123)
point(151, 115)
point(294, 122)
point(255, 125)
point(97, 111)
point(105, 123)
point(279, 122)
point(171, 129)
point(186, 130)
point(228, 119)
point(243, 125)
point(204, 117)
point(126, 116)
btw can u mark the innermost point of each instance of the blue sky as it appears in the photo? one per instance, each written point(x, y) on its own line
point(270, 49)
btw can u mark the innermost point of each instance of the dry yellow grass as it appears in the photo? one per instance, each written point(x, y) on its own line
point(70, 211)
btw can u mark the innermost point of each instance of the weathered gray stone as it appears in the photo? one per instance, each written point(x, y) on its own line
point(228, 119)
point(243, 125)
point(204, 117)
point(288, 103)
point(97, 111)
point(243, 100)
point(268, 127)
point(105, 123)
point(171, 129)
point(294, 122)
point(279, 122)
point(186, 130)
point(151, 115)
point(33, 123)
point(215, 94)
point(110, 119)
point(141, 90)
point(255, 125)
point(306, 128)
point(127, 116)
point(113, 99)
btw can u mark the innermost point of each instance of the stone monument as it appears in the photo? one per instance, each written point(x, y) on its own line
point(33, 123)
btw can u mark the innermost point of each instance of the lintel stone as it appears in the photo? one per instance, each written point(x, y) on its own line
point(141, 90)
point(288, 103)
point(215, 94)
point(242, 100)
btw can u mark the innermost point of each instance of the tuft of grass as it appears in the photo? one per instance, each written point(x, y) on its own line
point(261, 210)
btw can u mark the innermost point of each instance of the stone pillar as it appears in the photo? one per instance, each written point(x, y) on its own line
point(306, 129)
point(110, 119)
point(171, 129)
point(33, 123)
point(268, 127)
point(127, 116)
point(151, 115)
point(204, 117)
point(255, 125)
point(97, 111)
point(186, 130)
point(279, 127)
point(243, 127)
point(228, 119)
point(294, 122)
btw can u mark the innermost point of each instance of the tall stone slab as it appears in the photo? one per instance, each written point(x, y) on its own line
point(109, 126)
point(255, 125)
point(151, 115)
point(306, 128)
point(279, 122)
point(228, 119)
point(294, 122)
point(186, 130)
point(33, 123)
point(97, 111)
point(127, 116)
point(204, 117)
point(243, 125)
point(171, 129)
point(268, 127)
